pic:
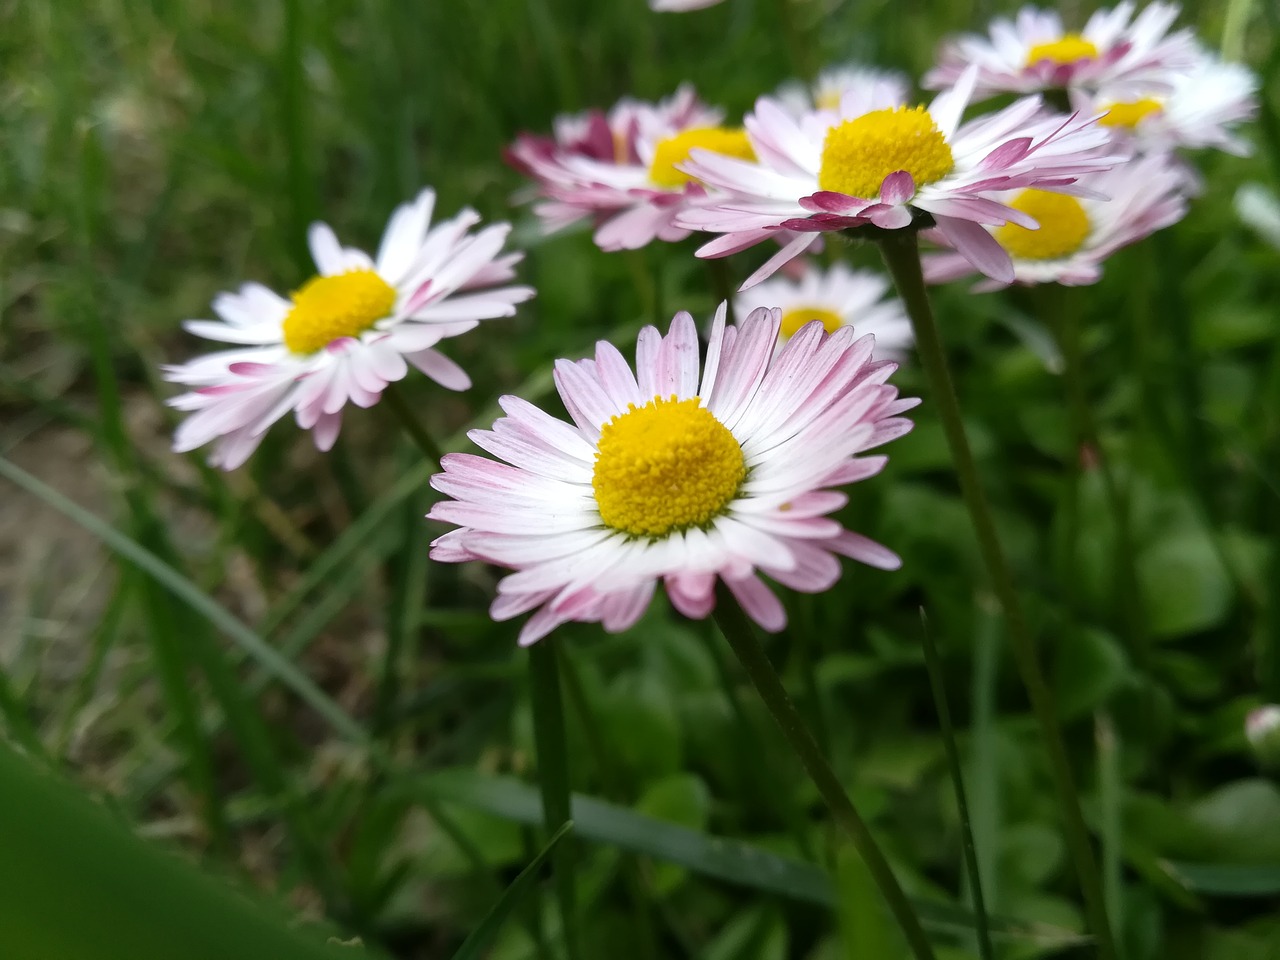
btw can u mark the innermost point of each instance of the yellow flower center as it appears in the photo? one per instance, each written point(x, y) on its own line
point(326, 308)
point(860, 153)
point(673, 150)
point(668, 465)
point(1064, 226)
point(797, 317)
point(1069, 49)
point(1130, 114)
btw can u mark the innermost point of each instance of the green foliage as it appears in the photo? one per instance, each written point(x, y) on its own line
point(262, 669)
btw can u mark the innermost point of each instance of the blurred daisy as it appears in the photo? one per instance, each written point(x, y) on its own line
point(681, 472)
point(633, 192)
point(877, 86)
point(1194, 110)
point(1076, 235)
point(836, 297)
point(346, 333)
point(889, 165)
point(1036, 52)
point(680, 6)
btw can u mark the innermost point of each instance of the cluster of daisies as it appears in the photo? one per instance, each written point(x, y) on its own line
point(704, 465)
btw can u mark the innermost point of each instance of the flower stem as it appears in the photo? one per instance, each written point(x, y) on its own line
point(934, 663)
point(737, 631)
point(901, 252)
point(411, 425)
point(553, 778)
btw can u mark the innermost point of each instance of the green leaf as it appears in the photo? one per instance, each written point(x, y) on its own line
point(1226, 879)
point(1185, 588)
point(77, 885)
point(482, 936)
point(729, 860)
point(682, 799)
point(1090, 666)
point(757, 933)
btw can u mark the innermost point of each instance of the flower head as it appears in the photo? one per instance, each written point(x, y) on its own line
point(837, 297)
point(682, 471)
point(621, 170)
point(680, 6)
point(1036, 52)
point(1077, 233)
point(890, 165)
point(827, 92)
point(346, 333)
point(1192, 110)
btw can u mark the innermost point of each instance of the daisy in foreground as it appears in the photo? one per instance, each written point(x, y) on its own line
point(683, 472)
point(890, 166)
point(835, 297)
point(620, 169)
point(1036, 52)
point(346, 333)
point(1076, 235)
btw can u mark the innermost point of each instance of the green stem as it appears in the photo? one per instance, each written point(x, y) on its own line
point(738, 632)
point(397, 404)
point(553, 777)
point(901, 252)
point(934, 663)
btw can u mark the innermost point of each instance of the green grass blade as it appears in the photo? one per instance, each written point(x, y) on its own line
point(75, 884)
point(729, 860)
point(1226, 879)
point(482, 936)
point(194, 597)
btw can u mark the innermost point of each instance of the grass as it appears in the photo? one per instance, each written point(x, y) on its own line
point(263, 669)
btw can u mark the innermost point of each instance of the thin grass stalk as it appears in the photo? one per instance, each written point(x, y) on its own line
point(409, 422)
point(741, 638)
point(934, 664)
point(901, 252)
point(553, 779)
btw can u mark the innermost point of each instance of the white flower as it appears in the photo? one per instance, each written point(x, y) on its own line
point(826, 93)
point(837, 297)
point(884, 164)
point(681, 472)
point(1191, 110)
point(1076, 235)
point(1036, 52)
point(346, 333)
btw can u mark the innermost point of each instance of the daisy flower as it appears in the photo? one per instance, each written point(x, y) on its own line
point(680, 6)
point(346, 333)
point(633, 192)
point(891, 166)
point(1076, 235)
point(681, 472)
point(879, 86)
point(836, 297)
point(1193, 110)
point(1036, 52)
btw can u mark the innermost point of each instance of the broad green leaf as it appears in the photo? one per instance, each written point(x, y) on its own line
point(1226, 879)
point(1184, 585)
point(1089, 667)
point(682, 799)
point(75, 884)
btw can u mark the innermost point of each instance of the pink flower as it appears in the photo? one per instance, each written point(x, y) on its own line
point(620, 170)
point(680, 6)
point(890, 166)
point(1036, 52)
point(681, 472)
point(346, 333)
point(1076, 235)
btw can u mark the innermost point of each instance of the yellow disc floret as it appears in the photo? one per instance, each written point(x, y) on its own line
point(860, 153)
point(1069, 49)
point(669, 465)
point(1064, 226)
point(673, 150)
point(797, 317)
point(326, 308)
point(1130, 114)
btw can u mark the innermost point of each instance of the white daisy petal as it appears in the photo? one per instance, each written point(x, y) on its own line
point(653, 482)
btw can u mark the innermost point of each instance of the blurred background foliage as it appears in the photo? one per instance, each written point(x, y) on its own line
point(373, 776)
